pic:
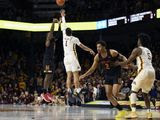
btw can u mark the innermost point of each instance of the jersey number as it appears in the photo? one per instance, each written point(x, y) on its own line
point(106, 65)
point(66, 43)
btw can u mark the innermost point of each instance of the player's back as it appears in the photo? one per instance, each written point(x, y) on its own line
point(69, 45)
point(144, 61)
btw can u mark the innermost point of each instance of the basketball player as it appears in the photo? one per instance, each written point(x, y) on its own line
point(49, 56)
point(112, 74)
point(146, 73)
point(70, 56)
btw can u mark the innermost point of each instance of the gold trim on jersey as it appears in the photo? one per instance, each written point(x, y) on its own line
point(74, 50)
point(141, 68)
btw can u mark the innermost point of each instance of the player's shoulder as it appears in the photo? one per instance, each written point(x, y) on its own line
point(75, 38)
point(137, 51)
point(144, 48)
point(113, 52)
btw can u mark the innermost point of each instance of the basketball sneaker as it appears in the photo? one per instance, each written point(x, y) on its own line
point(121, 114)
point(149, 115)
point(131, 115)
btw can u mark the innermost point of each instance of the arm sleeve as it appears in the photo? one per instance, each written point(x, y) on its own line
point(64, 25)
point(76, 41)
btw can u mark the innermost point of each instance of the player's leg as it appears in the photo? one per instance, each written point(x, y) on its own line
point(116, 94)
point(115, 90)
point(149, 82)
point(47, 80)
point(137, 83)
point(111, 98)
point(147, 101)
point(76, 81)
point(69, 90)
point(68, 67)
point(109, 91)
point(117, 84)
point(68, 81)
point(50, 73)
point(75, 69)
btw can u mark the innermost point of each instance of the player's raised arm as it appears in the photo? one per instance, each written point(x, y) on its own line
point(50, 34)
point(58, 35)
point(92, 69)
point(53, 25)
point(63, 21)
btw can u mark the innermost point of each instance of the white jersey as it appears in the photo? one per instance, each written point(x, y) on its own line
point(145, 59)
point(69, 42)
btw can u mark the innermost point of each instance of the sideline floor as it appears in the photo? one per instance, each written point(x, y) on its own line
point(22, 112)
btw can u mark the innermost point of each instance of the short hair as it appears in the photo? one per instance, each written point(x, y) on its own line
point(68, 31)
point(145, 39)
point(103, 43)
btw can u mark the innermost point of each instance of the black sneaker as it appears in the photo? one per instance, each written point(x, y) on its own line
point(111, 105)
point(78, 99)
point(70, 99)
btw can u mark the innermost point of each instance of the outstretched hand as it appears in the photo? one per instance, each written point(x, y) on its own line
point(55, 20)
point(92, 52)
point(62, 12)
point(81, 77)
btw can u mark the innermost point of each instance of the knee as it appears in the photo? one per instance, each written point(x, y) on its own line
point(69, 78)
point(109, 95)
point(76, 82)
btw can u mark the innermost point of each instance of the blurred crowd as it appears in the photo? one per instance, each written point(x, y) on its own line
point(18, 87)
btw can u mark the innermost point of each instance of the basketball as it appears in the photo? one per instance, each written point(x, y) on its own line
point(60, 2)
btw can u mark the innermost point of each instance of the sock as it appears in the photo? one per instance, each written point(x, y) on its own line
point(148, 110)
point(78, 90)
point(119, 107)
point(133, 98)
point(69, 90)
point(133, 109)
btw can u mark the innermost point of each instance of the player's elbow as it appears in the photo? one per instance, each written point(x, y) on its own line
point(93, 69)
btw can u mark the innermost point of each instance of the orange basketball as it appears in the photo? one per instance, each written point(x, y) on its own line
point(60, 2)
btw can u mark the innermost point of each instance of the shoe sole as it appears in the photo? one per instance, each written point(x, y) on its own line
point(131, 118)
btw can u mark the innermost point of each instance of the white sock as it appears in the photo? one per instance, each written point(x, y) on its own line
point(133, 109)
point(69, 90)
point(148, 110)
point(78, 90)
point(133, 99)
